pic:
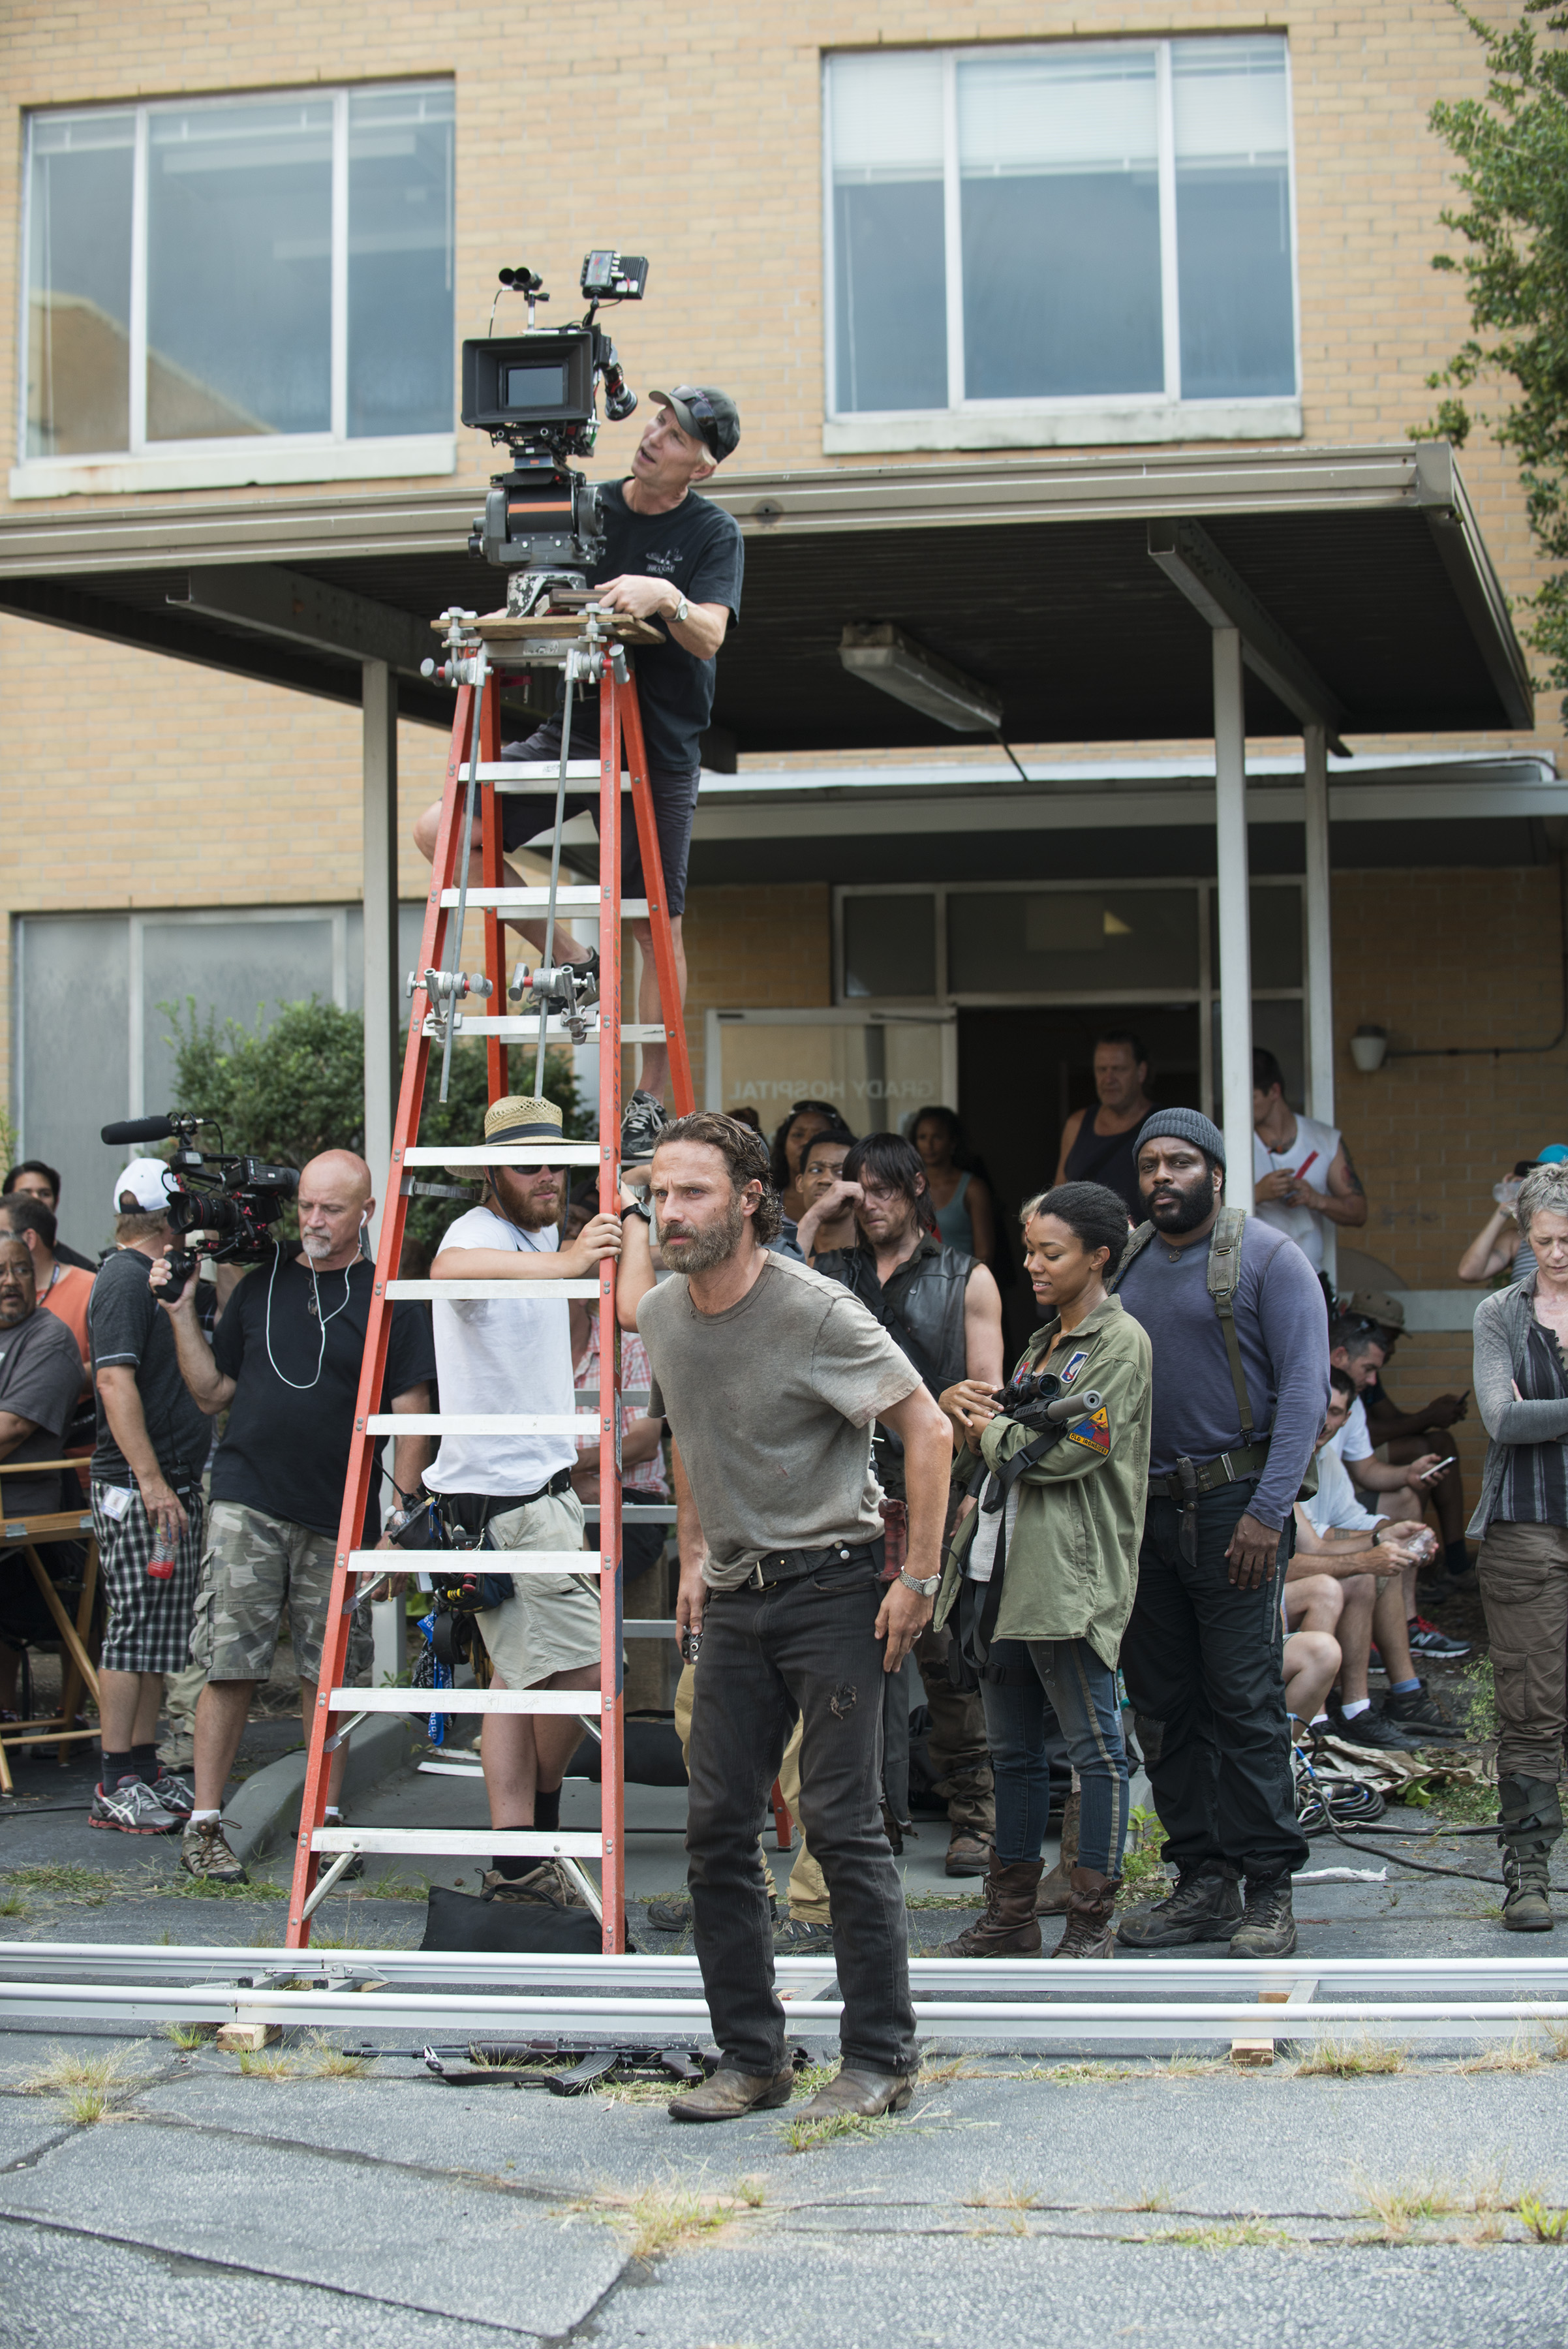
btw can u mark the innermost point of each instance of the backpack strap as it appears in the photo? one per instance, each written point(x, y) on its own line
point(1225, 1277)
point(1137, 1243)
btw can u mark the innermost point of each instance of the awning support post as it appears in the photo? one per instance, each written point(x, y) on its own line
point(379, 703)
point(1319, 956)
point(1235, 924)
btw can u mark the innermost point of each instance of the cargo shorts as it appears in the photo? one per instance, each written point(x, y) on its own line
point(552, 1623)
point(254, 1564)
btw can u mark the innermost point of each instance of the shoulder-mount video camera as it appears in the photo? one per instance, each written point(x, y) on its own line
point(536, 394)
point(222, 1205)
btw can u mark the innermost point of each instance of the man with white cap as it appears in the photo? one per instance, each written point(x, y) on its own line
point(676, 560)
point(494, 1356)
point(146, 1473)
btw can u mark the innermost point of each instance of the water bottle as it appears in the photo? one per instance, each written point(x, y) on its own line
point(165, 1549)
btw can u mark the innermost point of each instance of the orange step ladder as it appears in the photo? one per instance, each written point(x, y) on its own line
point(590, 647)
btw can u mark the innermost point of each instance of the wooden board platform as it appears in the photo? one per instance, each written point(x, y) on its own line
point(569, 628)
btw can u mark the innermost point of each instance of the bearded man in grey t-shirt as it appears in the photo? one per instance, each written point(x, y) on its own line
point(770, 1377)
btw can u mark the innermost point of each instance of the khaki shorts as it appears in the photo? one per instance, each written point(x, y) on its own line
point(552, 1625)
point(252, 1564)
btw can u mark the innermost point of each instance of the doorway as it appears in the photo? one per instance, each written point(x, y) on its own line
point(1023, 1070)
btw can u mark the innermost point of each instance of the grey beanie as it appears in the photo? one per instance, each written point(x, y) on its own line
point(1183, 1125)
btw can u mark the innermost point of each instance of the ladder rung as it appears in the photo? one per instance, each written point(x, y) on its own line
point(481, 1423)
point(637, 1513)
point(527, 774)
point(520, 1292)
point(464, 1699)
point(646, 1627)
point(518, 1561)
point(580, 901)
point(460, 1842)
point(628, 1394)
point(501, 1153)
point(517, 1028)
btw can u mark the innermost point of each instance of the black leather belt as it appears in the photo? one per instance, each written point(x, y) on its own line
point(1230, 1468)
point(789, 1565)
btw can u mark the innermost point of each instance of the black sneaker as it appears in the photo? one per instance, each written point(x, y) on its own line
point(642, 1122)
point(800, 1937)
point(1370, 1731)
point(1425, 1640)
point(1205, 1907)
point(1418, 1712)
point(670, 1916)
point(1268, 1926)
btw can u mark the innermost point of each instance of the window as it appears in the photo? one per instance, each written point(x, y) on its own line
point(1033, 247)
point(239, 290)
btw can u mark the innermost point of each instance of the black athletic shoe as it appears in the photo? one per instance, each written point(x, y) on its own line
point(1371, 1731)
point(1418, 1712)
point(1205, 1907)
point(670, 1916)
point(1268, 1926)
point(1425, 1640)
point(643, 1119)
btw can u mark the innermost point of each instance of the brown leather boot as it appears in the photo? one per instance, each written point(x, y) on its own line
point(1009, 1928)
point(1055, 1898)
point(1091, 1916)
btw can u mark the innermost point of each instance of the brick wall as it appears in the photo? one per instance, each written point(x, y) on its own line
point(757, 949)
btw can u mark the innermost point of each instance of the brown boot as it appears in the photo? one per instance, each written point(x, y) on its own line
point(1091, 1917)
point(1009, 1928)
point(1055, 1898)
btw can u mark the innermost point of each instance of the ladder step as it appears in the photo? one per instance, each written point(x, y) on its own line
point(577, 900)
point(517, 1561)
point(517, 1028)
point(645, 1626)
point(501, 1153)
point(482, 1423)
point(527, 774)
point(465, 1700)
point(635, 1513)
point(464, 1842)
point(520, 1291)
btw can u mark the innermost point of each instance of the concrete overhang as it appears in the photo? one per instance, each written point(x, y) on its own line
point(1052, 580)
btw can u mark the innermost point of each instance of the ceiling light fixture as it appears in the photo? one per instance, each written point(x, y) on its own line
point(886, 657)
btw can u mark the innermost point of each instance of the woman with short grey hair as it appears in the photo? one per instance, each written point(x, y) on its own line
point(1522, 1391)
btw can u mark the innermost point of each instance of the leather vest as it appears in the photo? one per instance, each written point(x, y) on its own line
point(922, 1309)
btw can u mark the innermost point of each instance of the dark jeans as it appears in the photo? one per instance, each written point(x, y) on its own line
point(1203, 1660)
point(801, 1647)
point(1083, 1694)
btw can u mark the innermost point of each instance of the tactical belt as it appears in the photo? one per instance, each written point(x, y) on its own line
point(1229, 1469)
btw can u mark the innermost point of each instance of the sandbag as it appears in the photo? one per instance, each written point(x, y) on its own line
point(456, 1921)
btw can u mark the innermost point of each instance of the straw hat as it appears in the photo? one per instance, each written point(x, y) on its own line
point(519, 1118)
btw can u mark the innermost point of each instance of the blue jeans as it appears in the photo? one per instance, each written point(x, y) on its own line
point(1083, 1694)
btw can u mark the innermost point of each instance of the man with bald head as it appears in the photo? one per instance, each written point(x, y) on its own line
point(285, 1362)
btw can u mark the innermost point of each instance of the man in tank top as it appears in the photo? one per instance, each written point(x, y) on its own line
point(1302, 1173)
point(1097, 1146)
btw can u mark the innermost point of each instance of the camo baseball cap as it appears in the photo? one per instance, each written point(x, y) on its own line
point(1375, 1305)
point(710, 416)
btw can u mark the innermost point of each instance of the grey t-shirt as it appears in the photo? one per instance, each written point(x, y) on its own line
point(127, 1325)
point(772, 1404)
point(39, 1380)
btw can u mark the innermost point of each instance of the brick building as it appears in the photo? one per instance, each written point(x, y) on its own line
point(237, 256)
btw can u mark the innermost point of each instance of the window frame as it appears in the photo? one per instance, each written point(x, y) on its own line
point(240, 460)
point(1057, 421)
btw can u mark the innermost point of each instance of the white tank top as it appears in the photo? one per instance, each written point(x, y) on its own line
point(1310, 1155)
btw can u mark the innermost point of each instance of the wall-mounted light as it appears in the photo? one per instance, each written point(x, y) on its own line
point(886, 657)
point(1367, 1048)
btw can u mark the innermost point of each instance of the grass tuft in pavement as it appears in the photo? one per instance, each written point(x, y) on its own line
point(268, 2064)
point(1519, 2053)
point(86, 2082)
point(326, 2061)
point(1226, 2235)
point(1547, 2226)
point(91, 1885)
point(187, 2036)
point(1352, 2059)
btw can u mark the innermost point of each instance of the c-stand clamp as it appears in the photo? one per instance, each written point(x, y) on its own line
point(567, 990)
point(445, 990)
point(464, 664)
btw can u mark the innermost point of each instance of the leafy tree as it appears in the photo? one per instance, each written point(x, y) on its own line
point(287, 1091)
point(1513, 150)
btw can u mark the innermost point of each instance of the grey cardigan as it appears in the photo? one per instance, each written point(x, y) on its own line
point(1502, 1332)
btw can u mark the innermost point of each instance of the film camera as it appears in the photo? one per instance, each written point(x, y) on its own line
point(221, 1205)
point(536, 394)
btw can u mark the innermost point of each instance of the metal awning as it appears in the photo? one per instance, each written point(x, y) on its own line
point(1052, 580)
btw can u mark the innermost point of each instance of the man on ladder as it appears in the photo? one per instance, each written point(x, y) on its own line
point(675, 560)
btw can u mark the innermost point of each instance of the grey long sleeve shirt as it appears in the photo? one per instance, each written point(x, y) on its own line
point(1502, 1334)
point(1282, 1326)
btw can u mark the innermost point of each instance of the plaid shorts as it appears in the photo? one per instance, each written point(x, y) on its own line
point(149, 1628)
point(252, 1563)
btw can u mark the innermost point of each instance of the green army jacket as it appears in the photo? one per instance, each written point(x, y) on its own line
point(1071, 1568)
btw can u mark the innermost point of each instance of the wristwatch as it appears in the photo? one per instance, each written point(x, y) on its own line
point(637, 1207)
point(922, 1590)
point(681, 613)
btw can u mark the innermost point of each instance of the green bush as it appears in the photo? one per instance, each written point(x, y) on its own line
point(293, 1087)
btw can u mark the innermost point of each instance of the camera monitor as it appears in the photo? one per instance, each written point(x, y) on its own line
point(516, 380)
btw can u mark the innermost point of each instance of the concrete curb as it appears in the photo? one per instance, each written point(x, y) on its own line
point(263, 1815)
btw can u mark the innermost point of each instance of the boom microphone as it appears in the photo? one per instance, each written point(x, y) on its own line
point(139, 1129)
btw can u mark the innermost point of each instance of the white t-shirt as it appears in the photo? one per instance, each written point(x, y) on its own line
point(1334, 1507)
point(496, 1355)
point(1354, 1441)
point(1310, 1155)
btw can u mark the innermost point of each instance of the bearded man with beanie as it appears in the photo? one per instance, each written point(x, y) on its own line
point(1236, 1414)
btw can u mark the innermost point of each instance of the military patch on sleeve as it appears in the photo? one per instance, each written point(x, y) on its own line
point(1070, 1369)
point(1095, 1431)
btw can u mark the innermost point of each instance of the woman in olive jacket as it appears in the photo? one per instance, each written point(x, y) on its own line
point(1062, 1536)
